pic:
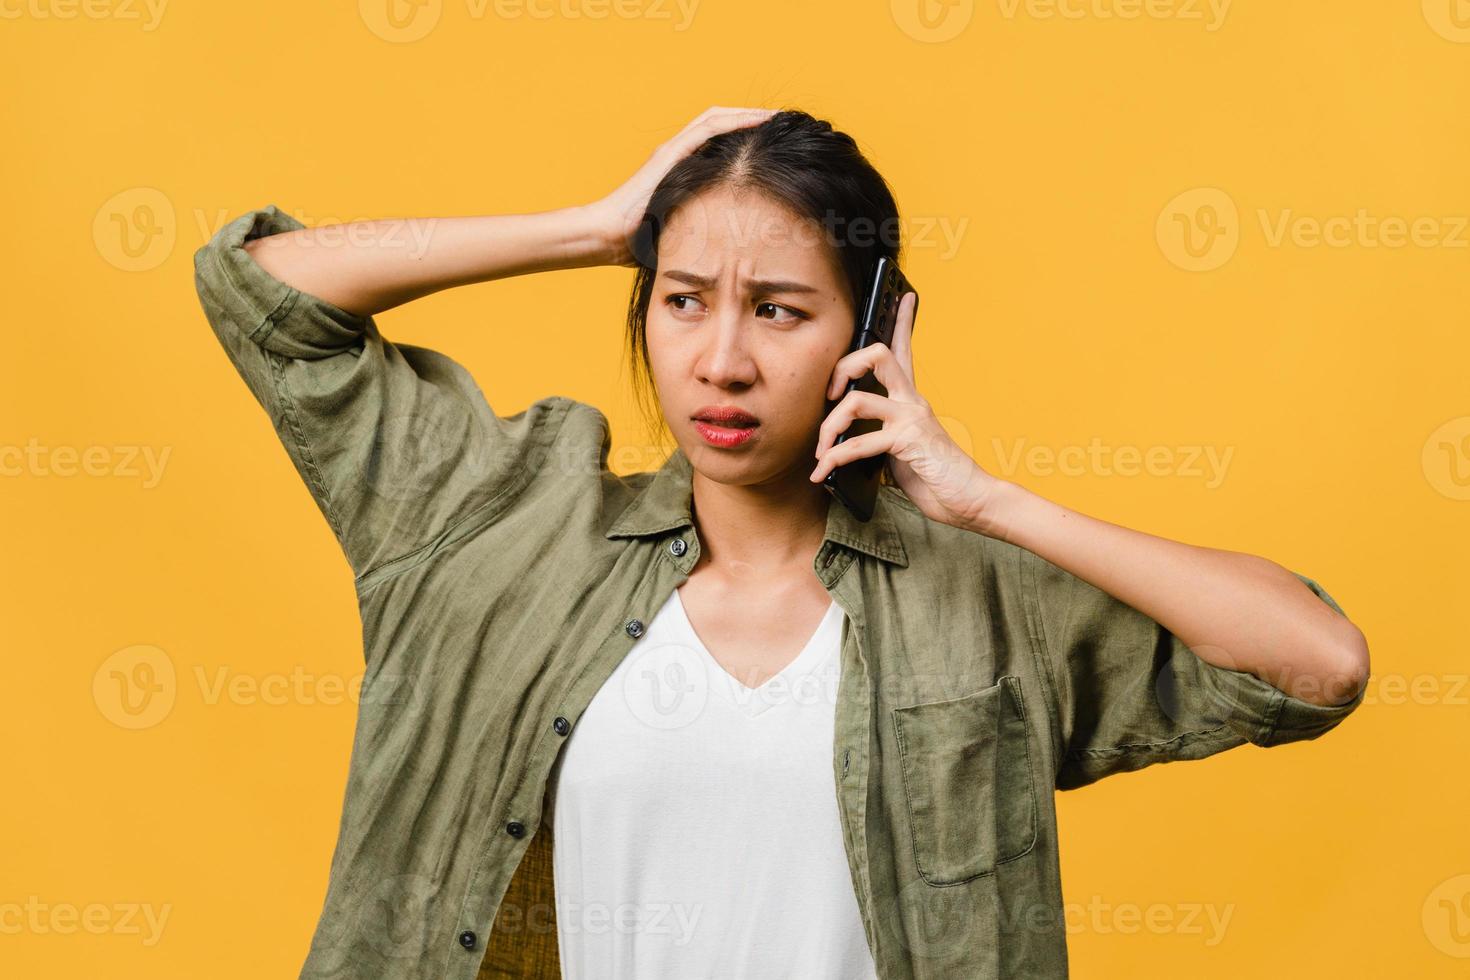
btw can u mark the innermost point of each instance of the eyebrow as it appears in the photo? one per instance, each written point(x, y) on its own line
point(756, 287)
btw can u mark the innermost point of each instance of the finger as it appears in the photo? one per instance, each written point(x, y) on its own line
point(854, 405)
point(903, 333)
point(868, 444)
point(720, 120)
point(878, 358)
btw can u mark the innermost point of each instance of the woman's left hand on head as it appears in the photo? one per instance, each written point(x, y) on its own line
point(939, 477)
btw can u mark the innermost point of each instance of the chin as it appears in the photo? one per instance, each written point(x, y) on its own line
point(738, 468)
point(723, 465)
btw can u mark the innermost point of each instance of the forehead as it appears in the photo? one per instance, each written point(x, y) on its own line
point(727, 228)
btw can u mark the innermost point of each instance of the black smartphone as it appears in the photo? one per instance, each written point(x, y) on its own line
point(856, 483)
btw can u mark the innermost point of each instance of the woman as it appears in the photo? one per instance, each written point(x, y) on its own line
point(767, 739)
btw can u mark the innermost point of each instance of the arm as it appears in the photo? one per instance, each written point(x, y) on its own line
point(395, 442)
point(366, 267)
point(1234, 610)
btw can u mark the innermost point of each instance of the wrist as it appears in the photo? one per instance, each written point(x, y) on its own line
point(581, 238)
point(995, 513)
point(600, 235)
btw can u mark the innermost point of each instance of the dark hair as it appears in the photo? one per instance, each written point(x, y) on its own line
point(800, 162)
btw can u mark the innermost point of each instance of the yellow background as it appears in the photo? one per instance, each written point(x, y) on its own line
point(1056, 148)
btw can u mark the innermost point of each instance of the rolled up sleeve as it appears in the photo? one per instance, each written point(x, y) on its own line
point(1265, 714)
point(396, 443)
point(1130, 694)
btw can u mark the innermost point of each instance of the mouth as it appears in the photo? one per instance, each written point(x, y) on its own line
point(725, 426)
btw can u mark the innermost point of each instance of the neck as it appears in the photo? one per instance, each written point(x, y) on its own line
point(759, 529)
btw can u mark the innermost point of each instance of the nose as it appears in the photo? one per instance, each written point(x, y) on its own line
point(725, 362)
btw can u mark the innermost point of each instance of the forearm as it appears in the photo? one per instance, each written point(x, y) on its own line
point(366, 267)
point(1232, 609)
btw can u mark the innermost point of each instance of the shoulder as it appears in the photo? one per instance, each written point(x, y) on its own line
point(574, 466)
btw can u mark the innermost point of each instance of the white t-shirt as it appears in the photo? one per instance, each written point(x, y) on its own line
point(694, 820)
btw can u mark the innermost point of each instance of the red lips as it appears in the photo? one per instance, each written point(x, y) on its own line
point(725, 426)
point(726, 415)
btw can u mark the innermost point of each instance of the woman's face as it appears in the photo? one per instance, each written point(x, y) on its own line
point(750, 311)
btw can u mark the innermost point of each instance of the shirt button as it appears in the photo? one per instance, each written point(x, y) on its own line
point(561, 725)
point(467, 939)
point(828, 560)
point(677, 547)
point(634, 627)
point(515, 828)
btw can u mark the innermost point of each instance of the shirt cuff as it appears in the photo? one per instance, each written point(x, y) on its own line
point(278, 317)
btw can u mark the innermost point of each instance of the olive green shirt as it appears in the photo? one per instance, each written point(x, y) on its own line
point(502, 572)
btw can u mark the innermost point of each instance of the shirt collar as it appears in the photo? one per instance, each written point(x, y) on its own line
point(664, 504)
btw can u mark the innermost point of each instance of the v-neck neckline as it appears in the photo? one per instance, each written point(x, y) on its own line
point(754, 700)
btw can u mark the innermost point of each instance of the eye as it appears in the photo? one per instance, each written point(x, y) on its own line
point(796, 315)
point(674, 301)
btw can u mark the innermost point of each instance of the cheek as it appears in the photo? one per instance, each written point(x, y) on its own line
point(668, 362)
point(803, 381)
point(811, 368)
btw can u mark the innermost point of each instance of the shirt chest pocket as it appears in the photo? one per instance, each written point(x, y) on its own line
point(967, 772)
